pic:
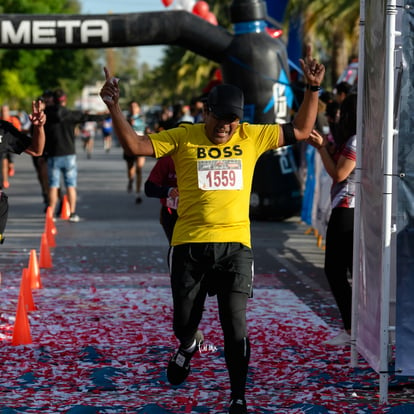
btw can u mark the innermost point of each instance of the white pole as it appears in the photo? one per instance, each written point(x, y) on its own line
point(357, 211)
point(387, 198)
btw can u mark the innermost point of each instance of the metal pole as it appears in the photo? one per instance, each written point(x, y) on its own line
point(387, 198)
point(357, 212)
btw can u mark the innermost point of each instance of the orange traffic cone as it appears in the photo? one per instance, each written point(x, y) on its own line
point(45, 259)
point(50, 230)
point(65, 211)
point(34, 272)
point(21, 330)
point(27, 291)
point(49, 215)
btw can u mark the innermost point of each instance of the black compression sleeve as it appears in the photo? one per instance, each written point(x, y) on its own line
point(154, 190)
point(289, 134)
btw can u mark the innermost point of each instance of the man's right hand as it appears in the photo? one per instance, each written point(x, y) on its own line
point(110, 90)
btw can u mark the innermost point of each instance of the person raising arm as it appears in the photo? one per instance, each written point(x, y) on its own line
point(210, 251)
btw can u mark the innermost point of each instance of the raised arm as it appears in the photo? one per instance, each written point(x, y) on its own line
point(131, 142)
point(305, 118)
point(38, 120)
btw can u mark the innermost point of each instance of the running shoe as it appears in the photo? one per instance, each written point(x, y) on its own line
point(179, 365)
point(74, 218)
point(238, 406)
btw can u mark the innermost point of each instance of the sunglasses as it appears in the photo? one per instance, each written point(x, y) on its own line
point(228, 119)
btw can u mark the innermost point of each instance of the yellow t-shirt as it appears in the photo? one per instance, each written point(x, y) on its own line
point(214, 181)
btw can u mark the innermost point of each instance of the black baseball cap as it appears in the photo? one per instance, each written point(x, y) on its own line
point(226, 101)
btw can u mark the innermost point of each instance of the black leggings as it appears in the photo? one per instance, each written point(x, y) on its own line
point(224, 269)
point(198, 269)
point(338, 259)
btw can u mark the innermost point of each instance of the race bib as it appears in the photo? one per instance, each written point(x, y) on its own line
point(220, 174)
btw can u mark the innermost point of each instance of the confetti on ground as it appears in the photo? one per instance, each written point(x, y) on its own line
point(101, 342)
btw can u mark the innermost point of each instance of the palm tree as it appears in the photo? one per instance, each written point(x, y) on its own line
point(331, 26)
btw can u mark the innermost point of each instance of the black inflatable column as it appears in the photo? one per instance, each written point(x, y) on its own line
point(258, 64)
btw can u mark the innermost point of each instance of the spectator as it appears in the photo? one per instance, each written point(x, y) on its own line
point(107, 133)
point(340, 165)
point(183, 114)
point(13, 140)
point(162, 184)
point(7, 158)
point(166, 120)
point(60, 149)
point(88, 132)
point(342, 90)
point(197, 109)
point(134, 163)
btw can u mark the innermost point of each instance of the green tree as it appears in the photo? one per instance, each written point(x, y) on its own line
point(182, 74)
point(332, 27)
point(25, 74)
point(180, 77)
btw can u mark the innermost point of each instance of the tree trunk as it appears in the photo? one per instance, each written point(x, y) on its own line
point(339, 55)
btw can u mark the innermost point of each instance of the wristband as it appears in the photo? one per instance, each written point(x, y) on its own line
point(313, 88)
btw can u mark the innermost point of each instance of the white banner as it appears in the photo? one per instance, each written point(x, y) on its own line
point(371, 203)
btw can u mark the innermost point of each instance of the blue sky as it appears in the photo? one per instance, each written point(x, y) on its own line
point(148, 54)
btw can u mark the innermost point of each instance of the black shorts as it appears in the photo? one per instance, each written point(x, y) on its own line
point(215, 267)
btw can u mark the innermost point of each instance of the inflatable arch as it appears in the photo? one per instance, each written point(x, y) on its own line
point(249, 58)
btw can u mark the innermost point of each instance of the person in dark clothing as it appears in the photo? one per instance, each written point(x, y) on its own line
point(162, 184)
point(340, 165)
point(60, 149)
point(7, 158)
point(14, 141)
point(39, 162)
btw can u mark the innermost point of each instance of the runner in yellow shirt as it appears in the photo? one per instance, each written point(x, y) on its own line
point(210, 251)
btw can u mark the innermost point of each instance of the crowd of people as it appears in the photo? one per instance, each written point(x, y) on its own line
point(56, 168)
